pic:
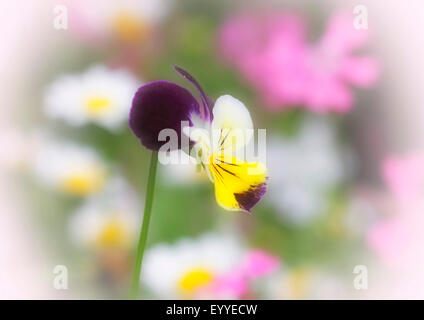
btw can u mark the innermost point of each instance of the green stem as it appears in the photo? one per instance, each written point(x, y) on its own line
point(145, 226)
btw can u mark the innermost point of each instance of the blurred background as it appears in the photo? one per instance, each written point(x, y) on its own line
point(337, 86)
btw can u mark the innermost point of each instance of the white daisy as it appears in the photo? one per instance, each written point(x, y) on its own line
point(303, 170)
point(109, 220)
point(99, 95)
point(180, 270)
point(69, 168)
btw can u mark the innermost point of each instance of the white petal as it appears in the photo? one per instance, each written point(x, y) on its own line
point(66, 97)
point(202, 149)
point(232, 125)
point(197, 134)
point(164, 264)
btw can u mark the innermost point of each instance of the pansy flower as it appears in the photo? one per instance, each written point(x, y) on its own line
point(217, 133)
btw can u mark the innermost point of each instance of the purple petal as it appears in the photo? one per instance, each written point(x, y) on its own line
point(207, 102)
point(247, 200)
point(160, 105)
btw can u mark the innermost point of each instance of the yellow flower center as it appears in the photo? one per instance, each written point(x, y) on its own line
point(129, 28)
point(114, 234)
point(194, 279)
point(97, 105)
point(83, 183)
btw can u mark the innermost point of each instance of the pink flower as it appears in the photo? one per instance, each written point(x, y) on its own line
point(236, 283)
point(398, 240)
point(230, 286)
point(404, 177)
point(258, 263)
point(270, 50)
point(389, 239)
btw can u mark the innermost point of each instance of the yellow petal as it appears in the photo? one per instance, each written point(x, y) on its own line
point(239, 185)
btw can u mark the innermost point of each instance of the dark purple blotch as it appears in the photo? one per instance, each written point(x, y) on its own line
point(247, 200)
